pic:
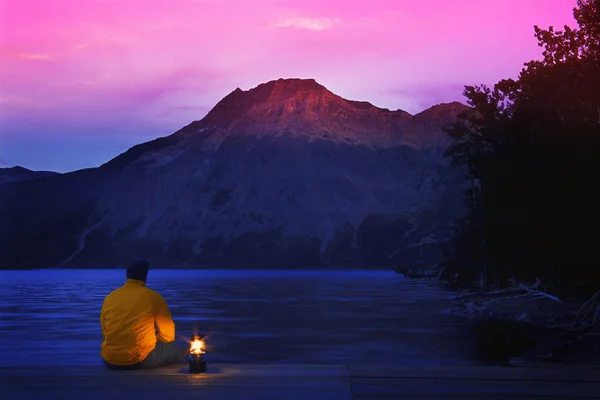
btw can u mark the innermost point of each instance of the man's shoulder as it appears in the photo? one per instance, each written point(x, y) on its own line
point(141, 290)
point(113, 293)
point(153, 292)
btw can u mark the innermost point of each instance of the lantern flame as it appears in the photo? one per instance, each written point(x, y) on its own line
point(197, 346)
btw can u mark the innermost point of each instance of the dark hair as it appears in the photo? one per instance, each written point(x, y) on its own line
point(138, 270)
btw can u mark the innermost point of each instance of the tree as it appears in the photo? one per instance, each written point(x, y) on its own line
point(534, 145)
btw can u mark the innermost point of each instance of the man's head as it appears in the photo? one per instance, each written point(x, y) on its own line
point(138, 270)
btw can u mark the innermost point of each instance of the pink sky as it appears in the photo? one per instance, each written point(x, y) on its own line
point(83, 80)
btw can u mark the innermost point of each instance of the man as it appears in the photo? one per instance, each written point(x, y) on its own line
point(137, 326)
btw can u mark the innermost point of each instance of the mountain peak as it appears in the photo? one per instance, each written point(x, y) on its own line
point(304, 108)
point(18, 173)
point(454, 107)
point(273, 98)
point(284, 91)
point(293, 85)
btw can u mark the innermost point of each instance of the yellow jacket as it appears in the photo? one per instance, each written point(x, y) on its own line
point(130, 318)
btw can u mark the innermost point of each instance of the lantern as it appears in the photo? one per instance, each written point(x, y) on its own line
point(197, 349)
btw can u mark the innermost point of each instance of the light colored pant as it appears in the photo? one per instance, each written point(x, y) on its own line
point(166, 353)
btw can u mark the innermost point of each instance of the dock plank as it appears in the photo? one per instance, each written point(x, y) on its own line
point(313, 382)
point(545, 374)
point(221, 382)
point(395, 387)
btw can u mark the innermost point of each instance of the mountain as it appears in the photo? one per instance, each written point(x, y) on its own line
point(286, 174)
point(17, 174)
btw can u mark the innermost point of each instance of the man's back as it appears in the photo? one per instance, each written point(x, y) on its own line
point(130, 316)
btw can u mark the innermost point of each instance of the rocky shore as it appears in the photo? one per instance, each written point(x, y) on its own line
point(523, 325)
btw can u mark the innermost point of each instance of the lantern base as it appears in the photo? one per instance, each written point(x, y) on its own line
point(197, 367)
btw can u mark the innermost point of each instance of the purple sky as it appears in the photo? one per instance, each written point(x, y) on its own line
point(82, 81)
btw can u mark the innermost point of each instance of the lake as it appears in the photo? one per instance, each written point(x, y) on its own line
point(282, 317)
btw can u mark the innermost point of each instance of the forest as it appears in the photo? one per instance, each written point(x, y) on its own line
point(531, 149)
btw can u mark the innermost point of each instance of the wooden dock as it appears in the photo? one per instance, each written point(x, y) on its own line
point(306, 382)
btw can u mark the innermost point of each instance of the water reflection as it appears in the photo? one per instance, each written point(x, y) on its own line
point(317, 317)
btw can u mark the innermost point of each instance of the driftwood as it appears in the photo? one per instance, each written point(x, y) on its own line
point(589, 310)
point(517, 292)
point(516, 288)
point(587, 318)
point(538, 294)
point(532, 295)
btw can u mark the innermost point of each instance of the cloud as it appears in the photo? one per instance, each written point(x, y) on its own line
point(34, 56)
point(313, 24)
point(185, 113)
point(186, 107)
point(81, 46)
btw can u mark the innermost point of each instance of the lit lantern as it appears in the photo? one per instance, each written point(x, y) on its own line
point(197, 349)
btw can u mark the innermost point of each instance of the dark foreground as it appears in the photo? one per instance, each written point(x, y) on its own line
point(229, 381)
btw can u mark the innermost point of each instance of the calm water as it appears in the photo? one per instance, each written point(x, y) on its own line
point(52, 316)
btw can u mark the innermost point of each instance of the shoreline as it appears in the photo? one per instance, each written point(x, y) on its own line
point(517, 330)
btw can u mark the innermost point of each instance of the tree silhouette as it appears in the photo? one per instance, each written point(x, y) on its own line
point(531, 147)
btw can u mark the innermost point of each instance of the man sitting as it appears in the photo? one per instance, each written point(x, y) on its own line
point(137, 326)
